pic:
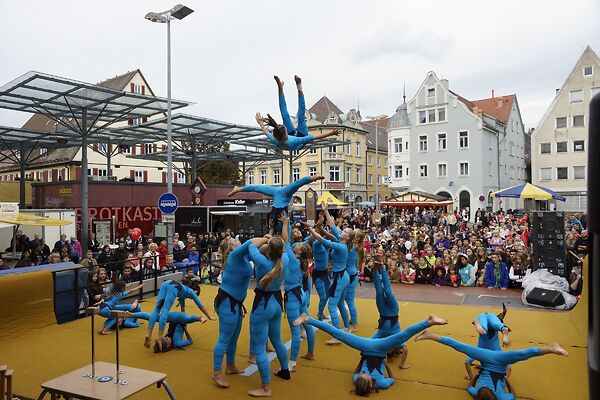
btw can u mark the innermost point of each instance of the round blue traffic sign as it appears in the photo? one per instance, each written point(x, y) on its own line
point(168, 203)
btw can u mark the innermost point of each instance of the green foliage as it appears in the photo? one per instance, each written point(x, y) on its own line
point(218, 172)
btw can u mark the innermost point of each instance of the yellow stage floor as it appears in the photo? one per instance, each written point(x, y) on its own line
point(39, 350)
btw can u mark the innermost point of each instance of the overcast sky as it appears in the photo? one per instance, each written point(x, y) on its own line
point(355, 52)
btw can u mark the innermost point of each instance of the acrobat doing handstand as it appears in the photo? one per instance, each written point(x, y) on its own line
point(287, 136)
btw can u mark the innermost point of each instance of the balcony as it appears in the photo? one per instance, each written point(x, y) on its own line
point(334, 156)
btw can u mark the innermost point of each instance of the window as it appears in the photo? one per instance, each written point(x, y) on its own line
point(295, 174)
point(398, 145)
point(511, 148)
point(137, 121)
point(312, 171)
point(423, 170)
point(578, 145)
point(102, 172)
point(579, 172)
point(423, 143)
point(398, 171)
point(545, 148)
point(545, 174)
point(406, 145)
point(463, 140)
point(578, 121)
point(250, 177)
point(349, 149)
point(43, 150)
point(263, 177)
point(295, 153)
point(126, 149)
point(422, 117)
point(463, 168)
point(276, 177)
point(103, 147)
point(348, 174)
point(358, 154)
point(379, 161)
point(180, 177)
point(588, 71)
point(334, 173)
point(312, 151)
point(138, 176)
point(562, 173)
point(333, 149)
point(576, 96)
point(441, 141)
point(441, 116)
point(370, 179)
point(135, 88)
point(490, 167)
point(430, 92)
point(561, 122)
point(148, 148)
point(431, 115)
point(442, 170)
point(561, 147)
point(358, 173)
point(406, 171)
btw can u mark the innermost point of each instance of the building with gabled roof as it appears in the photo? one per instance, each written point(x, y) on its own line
point(560, 141)
point(65, 163)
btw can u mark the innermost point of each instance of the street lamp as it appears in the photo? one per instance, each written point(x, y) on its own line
point(377, 118)
point(178, 12)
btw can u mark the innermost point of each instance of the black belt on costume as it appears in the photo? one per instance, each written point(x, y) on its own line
point(382, 318)
point(320, 274)
point(373, 362)
point(336, 276)
point(222, 295)
point(305, 282)
point(353, 277)
point(266, 294)
point(297, 291)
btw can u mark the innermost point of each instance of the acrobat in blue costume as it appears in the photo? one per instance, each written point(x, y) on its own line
point(265, 317)
point(493, 363)
point(352, 271)
point(282, 197)
point(287, 136)
point(491, 324)
point(169, 291)
point(373, 351)
point(387, 305)
point(320, 273)
point(177, 322)
point(229, 304)
point(126, 323)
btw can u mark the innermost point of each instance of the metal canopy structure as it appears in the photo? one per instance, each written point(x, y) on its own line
point(238, 155)
point(84, 108)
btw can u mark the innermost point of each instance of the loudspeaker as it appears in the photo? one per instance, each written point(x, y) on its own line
point(547, 239)
point(545, 297)
point(548, 225)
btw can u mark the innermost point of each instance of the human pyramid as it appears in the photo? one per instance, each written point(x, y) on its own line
point(282, 259)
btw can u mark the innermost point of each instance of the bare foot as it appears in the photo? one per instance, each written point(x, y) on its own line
point(279, 83)
point(478, 327)
point(135, 304)
point(404, 366)
point(220, 381)
point(233, 370)
point(260, 393)
point(104, 332)
point(503, 313)
point(158, 342)
point(308, 356)
point(297, 79)
point(333, 341)
point(353, 328)
point(506, 340)
point(236, 189)
point(425, 335)
point(302, 319)
point(203, 319)
point(147, 341)
point(555, 348)
point(252, 359)
point(128, 314)
point(434, 320)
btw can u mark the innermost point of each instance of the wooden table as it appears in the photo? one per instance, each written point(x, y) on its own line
point(74, 385)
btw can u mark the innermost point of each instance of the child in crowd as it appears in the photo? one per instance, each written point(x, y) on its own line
point(423, 271)
point(453, 277)
point(407, 275)
point(439, 276)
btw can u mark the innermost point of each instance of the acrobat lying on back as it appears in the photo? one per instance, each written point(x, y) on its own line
point(287, 136)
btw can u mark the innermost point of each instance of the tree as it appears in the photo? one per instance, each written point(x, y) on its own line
point(219, 172)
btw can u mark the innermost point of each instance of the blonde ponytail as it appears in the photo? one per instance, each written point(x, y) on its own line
point(272, 275)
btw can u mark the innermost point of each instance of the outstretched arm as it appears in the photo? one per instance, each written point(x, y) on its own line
point(334, 132)
point(261, 122)
point(284, 230)
point(328, 217)
point(314, 234)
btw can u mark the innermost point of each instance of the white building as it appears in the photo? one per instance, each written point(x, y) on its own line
point(559, 143)
point(444, 144)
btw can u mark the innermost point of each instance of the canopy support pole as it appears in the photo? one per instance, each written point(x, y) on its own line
point(194, 158)
point(84, 182)
point(22, 164)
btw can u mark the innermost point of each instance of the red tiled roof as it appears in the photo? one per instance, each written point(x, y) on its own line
point(498, 107)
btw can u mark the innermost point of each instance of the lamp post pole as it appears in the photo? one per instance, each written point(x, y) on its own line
point(377, 167)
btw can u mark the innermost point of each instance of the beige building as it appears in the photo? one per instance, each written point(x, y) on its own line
point(349, 170)
point(560, 141)
point(65, 163)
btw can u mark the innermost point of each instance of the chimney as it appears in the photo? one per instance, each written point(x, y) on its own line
point(445, 83)
point(492, 93)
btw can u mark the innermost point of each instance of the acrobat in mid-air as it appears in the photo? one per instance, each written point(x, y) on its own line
point(287, 136)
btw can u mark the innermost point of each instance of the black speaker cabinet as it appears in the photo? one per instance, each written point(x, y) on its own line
point(549, 254)
point(545, 298)
point(548, 225)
